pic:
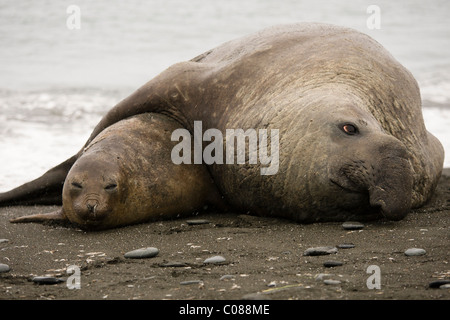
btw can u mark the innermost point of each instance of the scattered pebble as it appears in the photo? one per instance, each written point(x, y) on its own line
point(215, 259)
point(4, 240)
point(142, 253)
point(188, 282)
point(227, 277)
point(352, 225)
point(445, 286)
point(4, 268)
point(47, 280)
point(198, 221)
point(438, 283)
point(331, 264)
point(346, 246)
point(329, 281)
point(319, 251)
point(415, 252)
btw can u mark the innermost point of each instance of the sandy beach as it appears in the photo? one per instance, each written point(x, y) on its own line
point(264, 258)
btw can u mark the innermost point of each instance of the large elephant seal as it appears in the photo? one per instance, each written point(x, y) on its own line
point(126, 176)
point(352, 140)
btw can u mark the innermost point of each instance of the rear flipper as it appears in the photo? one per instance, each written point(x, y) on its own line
point(45, 190)
point(55, 216)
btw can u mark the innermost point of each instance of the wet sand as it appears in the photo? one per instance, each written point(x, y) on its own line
point(263, 258)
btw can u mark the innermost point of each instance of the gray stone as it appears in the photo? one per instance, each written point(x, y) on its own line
point(415, 252)
point(189, 282)
point(438, 283)
point(142, 253)
point(320, 251)
point(215, 259)
point(4, 268)
point(346, 246)
point(4, 240)
point(352, 225)
point(47, 280)
point(331, 264)
point(198, 221)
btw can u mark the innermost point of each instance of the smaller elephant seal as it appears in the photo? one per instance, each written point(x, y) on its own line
point(126, 176)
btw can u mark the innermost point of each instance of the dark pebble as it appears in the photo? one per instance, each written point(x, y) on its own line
point(195, 222)
point(319, 251)
point(4, 268)
point(185, 283)
point(142, 253)
point(174, 264)
point(331, 264)
point(346, 246)
point(47, 280)
point(352, 225)
point(438, 283)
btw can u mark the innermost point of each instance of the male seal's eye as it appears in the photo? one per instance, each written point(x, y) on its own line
point(111, 186)
point(77, 185)
point(350, 129)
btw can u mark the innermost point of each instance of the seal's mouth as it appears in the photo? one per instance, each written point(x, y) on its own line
point(91, 216)
point(94, 217)
point(91, 221)
point(378, 200)
point(391, 205)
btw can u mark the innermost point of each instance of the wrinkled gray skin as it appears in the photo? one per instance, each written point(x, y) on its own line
point(310, 81)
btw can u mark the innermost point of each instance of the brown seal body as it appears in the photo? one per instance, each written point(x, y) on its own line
point(126, 176)
point(352, 140)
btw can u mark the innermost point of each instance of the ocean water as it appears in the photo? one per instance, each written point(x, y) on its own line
point(57, 82)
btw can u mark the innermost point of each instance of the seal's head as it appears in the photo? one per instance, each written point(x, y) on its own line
point(369, 171)
point(348, 164)
point(92, 191)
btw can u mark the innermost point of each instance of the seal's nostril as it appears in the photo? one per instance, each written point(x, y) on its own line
point(91, 205)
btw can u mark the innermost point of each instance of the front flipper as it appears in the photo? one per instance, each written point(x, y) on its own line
point(55, 216)
point(170, 93)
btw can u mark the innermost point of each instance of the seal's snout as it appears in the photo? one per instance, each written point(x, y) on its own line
point(392, 191)
point(392, 207)
point(381, 173)
point(92, 205)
